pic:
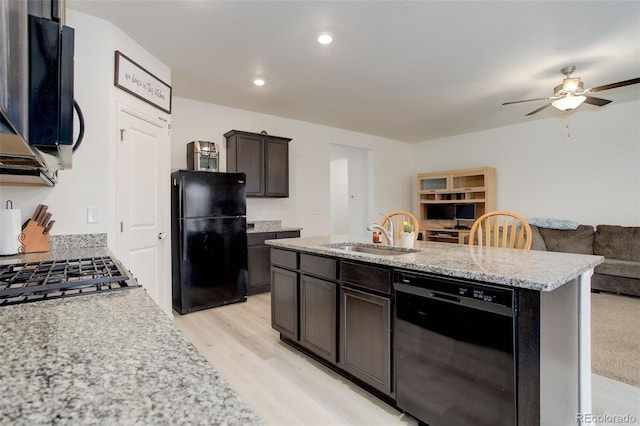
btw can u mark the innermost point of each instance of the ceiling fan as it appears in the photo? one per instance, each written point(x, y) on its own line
point(570, 94)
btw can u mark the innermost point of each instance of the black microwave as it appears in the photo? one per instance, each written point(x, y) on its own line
point(51, 48)
point(36, 95)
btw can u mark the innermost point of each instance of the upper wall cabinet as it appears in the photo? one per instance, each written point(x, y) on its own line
point(263, 158)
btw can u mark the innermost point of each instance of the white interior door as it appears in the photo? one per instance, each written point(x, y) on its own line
point(143, 197)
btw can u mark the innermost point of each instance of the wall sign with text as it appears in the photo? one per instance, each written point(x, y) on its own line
point(134, 79)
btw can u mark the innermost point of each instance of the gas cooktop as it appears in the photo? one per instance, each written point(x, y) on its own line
point(52, 279)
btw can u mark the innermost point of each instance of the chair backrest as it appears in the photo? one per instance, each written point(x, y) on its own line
point(398, 218)
point(501, 229)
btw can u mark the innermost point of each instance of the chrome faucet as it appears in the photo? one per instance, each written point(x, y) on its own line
point(387, 234)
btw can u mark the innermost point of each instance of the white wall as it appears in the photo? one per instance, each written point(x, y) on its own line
point(583, 167)
point(92, 180)
point(308, 205)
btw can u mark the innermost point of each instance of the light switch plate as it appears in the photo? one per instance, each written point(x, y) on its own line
point(93, 215)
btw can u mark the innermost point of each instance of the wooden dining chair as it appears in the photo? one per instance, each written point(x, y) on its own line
point(398, 218)
point(501, 229)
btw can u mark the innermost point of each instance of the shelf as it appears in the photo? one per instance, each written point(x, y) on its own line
point(468, 201)
point(440, 193)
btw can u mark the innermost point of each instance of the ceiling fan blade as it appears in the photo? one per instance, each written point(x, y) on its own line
point(596, 101)
point(526, 100)
point(538, 110)
point(614, 85)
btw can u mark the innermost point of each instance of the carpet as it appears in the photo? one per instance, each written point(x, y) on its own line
point(615, 337)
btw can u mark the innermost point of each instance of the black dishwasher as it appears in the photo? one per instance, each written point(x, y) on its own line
point(454, 350)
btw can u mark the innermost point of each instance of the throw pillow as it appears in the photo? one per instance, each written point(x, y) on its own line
point(537, 242)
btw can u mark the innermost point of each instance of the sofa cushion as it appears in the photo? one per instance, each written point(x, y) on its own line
point(537, 242)
point(579, 240)
point(619, 268)
point(618, 242)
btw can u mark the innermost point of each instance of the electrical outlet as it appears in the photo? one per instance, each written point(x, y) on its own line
point(93, 215)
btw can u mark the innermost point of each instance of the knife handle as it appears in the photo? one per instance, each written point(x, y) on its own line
point(37, 212)
point(43, 210)
point(48, 227)
point(45, 219)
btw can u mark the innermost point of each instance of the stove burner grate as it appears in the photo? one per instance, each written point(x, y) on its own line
point(33, 281)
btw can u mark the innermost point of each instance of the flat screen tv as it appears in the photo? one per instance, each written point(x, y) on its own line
point(465, 212)
point(440, 211)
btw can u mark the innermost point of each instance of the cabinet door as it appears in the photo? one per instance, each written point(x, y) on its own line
point(468, 181)
point(434, 183)
point(250, 160)
point(284, 302)
point(277, 168)
point(365, 338)
point(258, 264)
point(318, 301)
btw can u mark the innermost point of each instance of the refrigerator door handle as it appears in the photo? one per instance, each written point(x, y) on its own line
point(181, 197)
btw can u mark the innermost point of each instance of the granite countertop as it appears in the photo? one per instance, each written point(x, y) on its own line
point(269, 226)
point(110, 358)
point(531, 269)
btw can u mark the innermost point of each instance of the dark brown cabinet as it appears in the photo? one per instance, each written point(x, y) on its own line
point(259, 259)
point(284, 293)
point(318, 305)
point(343, 313)
point(365, 324)
point(318, 309)
point(263, 158)
point(365, 337)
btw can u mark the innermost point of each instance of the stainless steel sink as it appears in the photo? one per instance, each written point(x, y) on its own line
point(364, 248)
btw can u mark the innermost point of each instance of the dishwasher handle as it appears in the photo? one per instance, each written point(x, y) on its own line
point(444, 297)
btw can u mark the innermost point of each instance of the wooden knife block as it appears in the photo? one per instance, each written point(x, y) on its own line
point(34, 239)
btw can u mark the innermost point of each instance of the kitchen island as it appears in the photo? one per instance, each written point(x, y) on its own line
point(107, 358)
point(325, 298)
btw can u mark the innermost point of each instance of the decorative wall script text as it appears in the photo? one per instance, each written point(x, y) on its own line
point(134, 79)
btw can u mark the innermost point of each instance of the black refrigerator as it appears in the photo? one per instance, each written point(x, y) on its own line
point(208, 239)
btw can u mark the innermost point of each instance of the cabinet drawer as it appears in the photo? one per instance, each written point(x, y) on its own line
point(255, 239)
point(288, 234)
point(371, 277)
point(285, 258)
point(325, 267)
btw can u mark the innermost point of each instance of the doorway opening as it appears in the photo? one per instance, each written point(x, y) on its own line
point(351, 191)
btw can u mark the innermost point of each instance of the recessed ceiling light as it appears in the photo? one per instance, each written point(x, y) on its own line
point(259, 82)
point(325, 38)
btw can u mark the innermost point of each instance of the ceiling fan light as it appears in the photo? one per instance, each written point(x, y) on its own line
point(569, 102)
point(571, 84)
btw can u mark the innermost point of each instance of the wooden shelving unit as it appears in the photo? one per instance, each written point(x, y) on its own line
point(440, 192)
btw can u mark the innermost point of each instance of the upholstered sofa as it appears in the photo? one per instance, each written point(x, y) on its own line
point(620, 246)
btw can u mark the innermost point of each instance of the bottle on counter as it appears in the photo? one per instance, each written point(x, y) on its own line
point(376, 237)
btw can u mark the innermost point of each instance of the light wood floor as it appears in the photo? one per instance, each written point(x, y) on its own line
point(284, 387)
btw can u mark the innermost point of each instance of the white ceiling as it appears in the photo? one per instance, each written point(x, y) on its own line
point(405, 70)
